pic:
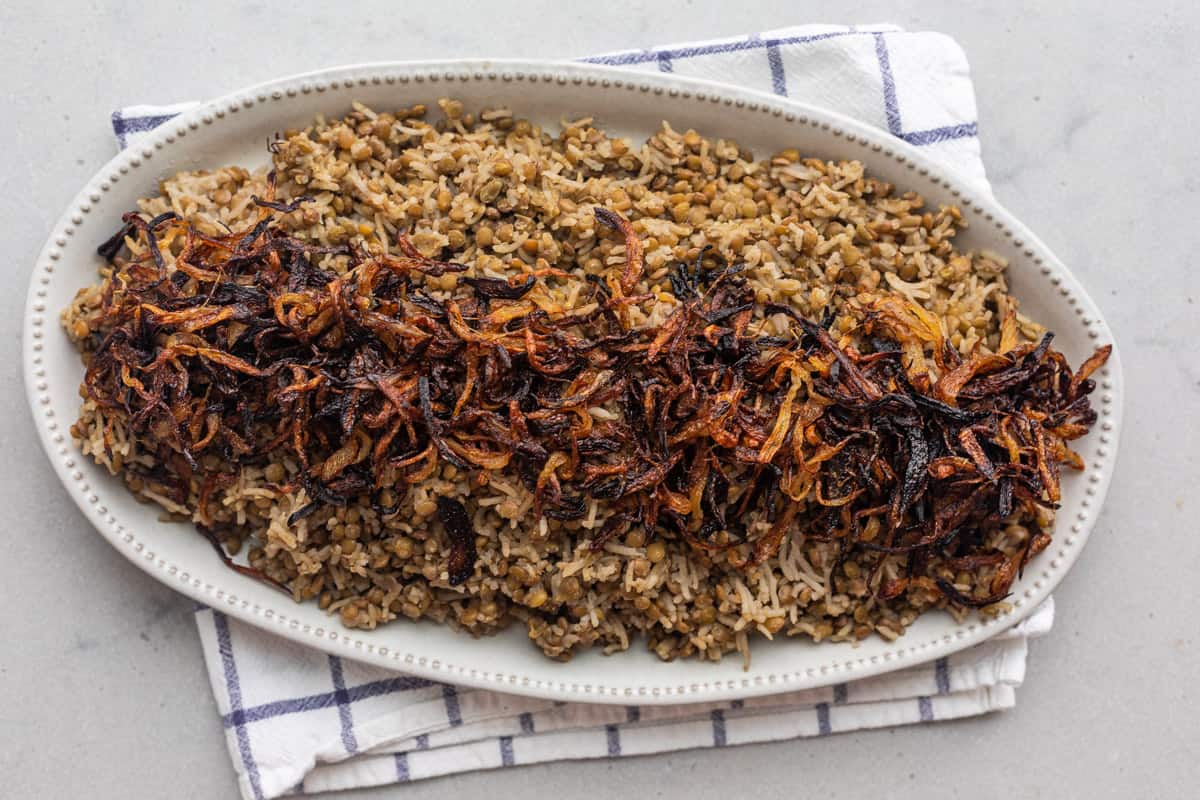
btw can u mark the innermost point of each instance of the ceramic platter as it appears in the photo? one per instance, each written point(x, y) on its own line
point(235, 129)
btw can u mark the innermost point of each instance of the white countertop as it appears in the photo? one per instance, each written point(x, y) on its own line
point(1089, 121)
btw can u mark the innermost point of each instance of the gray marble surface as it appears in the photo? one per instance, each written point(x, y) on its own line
point(1088, 120)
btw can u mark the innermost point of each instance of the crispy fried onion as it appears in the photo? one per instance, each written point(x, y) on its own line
point(700, 427)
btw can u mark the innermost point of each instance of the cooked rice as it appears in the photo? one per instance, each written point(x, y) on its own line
point(500, 195)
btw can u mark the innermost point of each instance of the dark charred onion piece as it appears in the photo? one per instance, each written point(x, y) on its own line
point(241, 569)
point(416, 261)
point(701, 428)
point(616, 526)
point(434, 425)
point(302, 513)
point(497, 288)
point(110, 247)
point(462, 539)
point(283, 208)
point(147, 229)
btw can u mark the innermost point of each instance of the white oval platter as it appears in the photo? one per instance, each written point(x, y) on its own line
point(235, 130)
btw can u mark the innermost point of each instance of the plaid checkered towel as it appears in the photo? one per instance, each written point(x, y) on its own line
point(298, 720)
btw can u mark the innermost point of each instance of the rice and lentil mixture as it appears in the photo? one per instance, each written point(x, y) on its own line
point(501, 196)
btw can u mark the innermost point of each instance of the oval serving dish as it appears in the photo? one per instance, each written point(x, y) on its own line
point(233, 130)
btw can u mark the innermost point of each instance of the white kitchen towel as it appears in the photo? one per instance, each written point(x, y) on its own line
point(298, 720)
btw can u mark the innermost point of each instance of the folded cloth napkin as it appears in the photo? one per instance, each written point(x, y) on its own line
point(298, 720)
